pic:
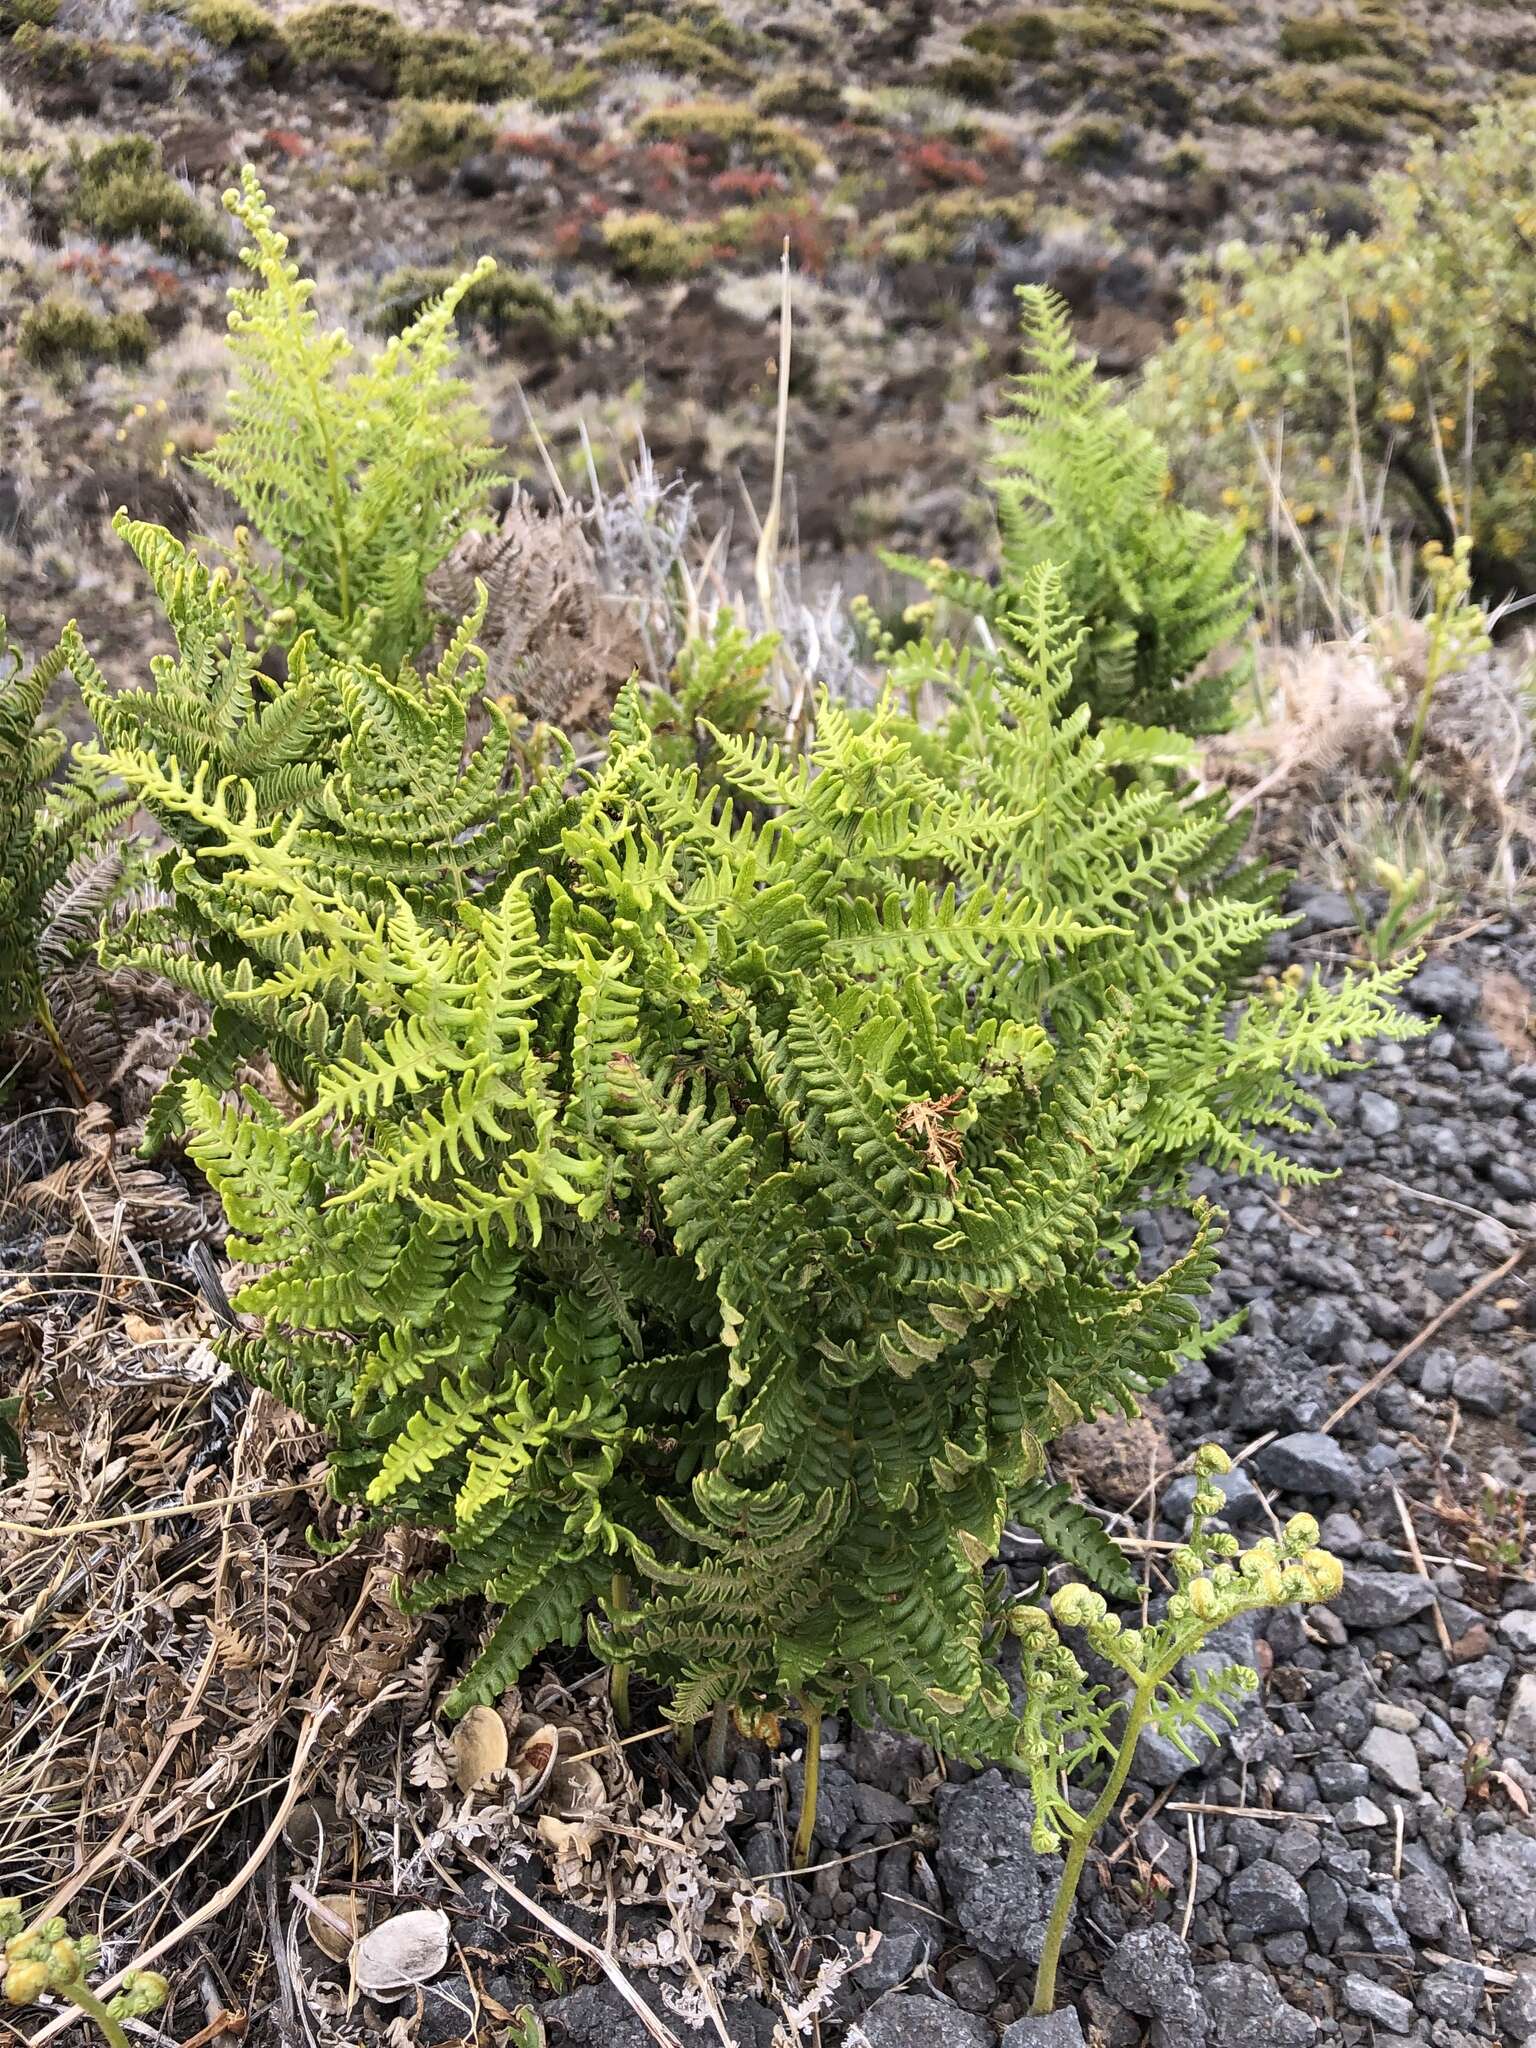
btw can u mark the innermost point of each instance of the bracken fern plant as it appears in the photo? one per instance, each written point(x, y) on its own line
point(358, 482)
point(707, 1205)
point(367, 778)
point(57, 873)
point(1159, 587)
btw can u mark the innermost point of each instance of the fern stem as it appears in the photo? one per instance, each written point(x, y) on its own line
point(684, 1740)
point(1082, 1840)
point(94, 2010)
point(67, 1067)
point(714, 1747)
point(806, 1829)
point(618, 1677)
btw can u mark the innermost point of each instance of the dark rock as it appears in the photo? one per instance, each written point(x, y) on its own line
point(1479, 1384)
point(1058, 2030)
point(1453, 1993)
point(1245, 2010)
point(1340, 1778)
point(1375, 2002)
point(903, 2019)
point(1316, 1327)
point(897, 1957)
point(1264, 1899)
point(1379, 1115)
point(1392, 1758)
point(1151, 1973)
point(448, 2009)
point(971, 1984)
point(1444, 990)
point(1516, 2010)
point(1382, 1929)
point(1328, 1905)
point(1373, 1599)
point(1496, 1883)
point(989, 1868)
point(1310, 1463)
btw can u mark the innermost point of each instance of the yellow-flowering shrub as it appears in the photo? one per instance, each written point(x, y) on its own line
point(1416, 340)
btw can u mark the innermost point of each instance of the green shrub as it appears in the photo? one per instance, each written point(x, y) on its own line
point(340, 35)
point(124, 189)
point(50, 52)
point(1159, 588)
point(662, 46)
point(695, 1193)
point(970, 75)
point(1028, 36)
point(730, 130)
point(505, 301)
point(1096, 139)
point(651, 249)
point(1381, 339)
point(807, 95)
point(231, 24)
point(358, 485)
point(447, 64)
point(61, 329)
point(947, 227)
point(435, 133)
point(36, 13)
point(1323, 39)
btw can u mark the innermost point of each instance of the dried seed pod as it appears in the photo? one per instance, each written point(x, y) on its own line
point(533, 1760)
point(479, 1747)
point(334, 1923)
point(401, 1953)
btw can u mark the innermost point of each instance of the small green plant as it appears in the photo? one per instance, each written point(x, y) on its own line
point(359, 482)
point(35, 13)
point(48, 1957)
point(1160, 588)
point(1457, 633)
point(1069, 1723)
point(124, 189)
point(1412, 911)
point(62, 331)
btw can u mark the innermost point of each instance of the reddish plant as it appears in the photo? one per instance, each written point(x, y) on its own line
point(746, 184)
point(938, 163)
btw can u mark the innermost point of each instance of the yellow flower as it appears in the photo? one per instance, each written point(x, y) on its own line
point(1246, 365)
point(1295, 335)
point(1401, 364)
point(1215, 343)
point(1182, 325)
point(140, 411)
point(1325, 465)
point(1304, 514)
point(1400, 411)
point(1231, 498)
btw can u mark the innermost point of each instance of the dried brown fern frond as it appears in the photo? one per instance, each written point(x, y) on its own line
point(554, 638)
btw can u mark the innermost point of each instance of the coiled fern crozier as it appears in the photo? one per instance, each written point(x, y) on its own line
point(718, 1196)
